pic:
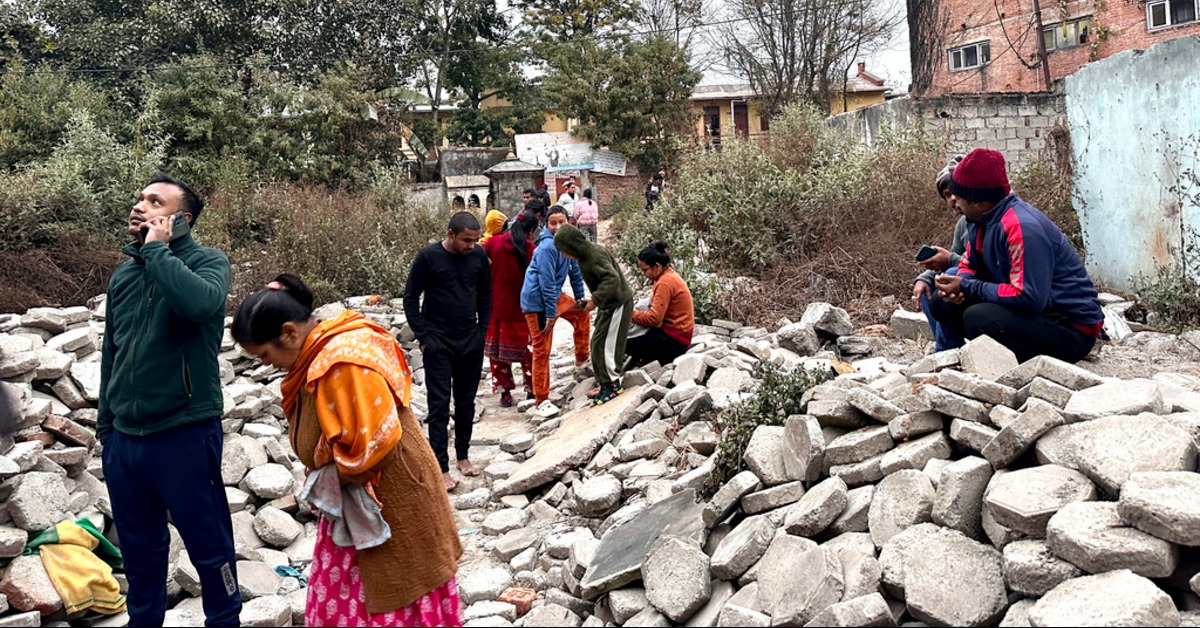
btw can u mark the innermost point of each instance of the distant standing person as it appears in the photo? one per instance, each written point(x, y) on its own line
point(568, 199)
point(508, 335)
point(450, 323)
point(543, 195)
point(611, 298)
point(654, 190)
point(160, 405)
point(587, 216)
point(671, 318)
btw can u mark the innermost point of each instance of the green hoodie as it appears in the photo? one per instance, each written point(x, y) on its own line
point(600, 270)
point(162, 332)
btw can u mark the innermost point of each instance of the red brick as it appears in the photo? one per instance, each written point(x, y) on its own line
point(521, 598)
point(69, 431)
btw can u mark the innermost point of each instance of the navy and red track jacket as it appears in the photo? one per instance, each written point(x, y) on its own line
point(1018, 257)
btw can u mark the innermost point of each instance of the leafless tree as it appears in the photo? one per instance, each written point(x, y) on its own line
point(683, 21)
point(928, 23)
point(797, 50)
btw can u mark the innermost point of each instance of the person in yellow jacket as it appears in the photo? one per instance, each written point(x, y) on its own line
point(493, 224)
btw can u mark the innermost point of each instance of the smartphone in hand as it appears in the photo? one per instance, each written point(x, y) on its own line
point(925, 253)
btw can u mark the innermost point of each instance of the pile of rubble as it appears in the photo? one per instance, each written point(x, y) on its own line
point(962, 489)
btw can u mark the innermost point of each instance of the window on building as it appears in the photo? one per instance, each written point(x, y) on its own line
point(1164, 13)
point(1068, 34)
point(970, 56)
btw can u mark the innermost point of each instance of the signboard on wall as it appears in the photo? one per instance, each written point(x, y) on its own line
point(556, 152)
point(609, 162)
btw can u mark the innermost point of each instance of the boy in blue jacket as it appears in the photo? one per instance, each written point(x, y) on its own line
point(1020, 281)
point(544, 302)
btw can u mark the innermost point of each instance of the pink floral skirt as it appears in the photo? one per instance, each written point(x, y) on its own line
point(336, 597)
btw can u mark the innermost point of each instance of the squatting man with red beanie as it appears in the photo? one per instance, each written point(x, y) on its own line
point(1020, 281)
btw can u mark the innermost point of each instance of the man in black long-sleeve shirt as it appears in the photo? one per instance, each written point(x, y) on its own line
point(451, 324)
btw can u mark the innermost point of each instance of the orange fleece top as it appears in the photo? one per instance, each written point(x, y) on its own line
point(670, 307)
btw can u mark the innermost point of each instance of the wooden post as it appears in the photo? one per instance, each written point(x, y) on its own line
point(1041, 41)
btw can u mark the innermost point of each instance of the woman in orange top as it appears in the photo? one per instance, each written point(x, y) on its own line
point(346, 395)
point(671, 317)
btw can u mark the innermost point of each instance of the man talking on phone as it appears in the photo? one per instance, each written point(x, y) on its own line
point(160, 405)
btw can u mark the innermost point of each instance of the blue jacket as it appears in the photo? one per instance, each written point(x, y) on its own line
point(545, 276)
point(1018, 257)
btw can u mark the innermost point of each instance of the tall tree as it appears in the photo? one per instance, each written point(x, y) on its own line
point(569, 20)
point(793, 50)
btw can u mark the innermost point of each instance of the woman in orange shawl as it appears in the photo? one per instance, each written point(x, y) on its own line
point(346, 395)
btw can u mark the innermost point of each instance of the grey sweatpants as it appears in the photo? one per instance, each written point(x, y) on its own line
point(608, 343)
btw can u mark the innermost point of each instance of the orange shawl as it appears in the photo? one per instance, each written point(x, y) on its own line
point(368, 378)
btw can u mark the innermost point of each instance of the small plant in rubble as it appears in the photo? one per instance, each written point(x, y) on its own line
point(779, 395)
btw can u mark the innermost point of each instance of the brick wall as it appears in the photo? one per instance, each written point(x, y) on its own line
point(607, 187)
point(975, 20)
point(1019, 125)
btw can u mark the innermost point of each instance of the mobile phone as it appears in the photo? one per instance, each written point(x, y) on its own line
point(925, 253)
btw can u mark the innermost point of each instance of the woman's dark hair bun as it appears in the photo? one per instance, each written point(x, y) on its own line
point(296, 289)
point(660, 246)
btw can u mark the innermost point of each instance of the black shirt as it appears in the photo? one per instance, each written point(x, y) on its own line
point(458, 296)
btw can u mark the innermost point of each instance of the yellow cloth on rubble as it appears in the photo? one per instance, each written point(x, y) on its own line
point(82, 579)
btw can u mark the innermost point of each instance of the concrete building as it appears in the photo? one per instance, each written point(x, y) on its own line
point(993, 46)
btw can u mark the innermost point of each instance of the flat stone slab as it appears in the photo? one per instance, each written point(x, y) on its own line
point(986, 357)
point(1053, 369)
point(573, 444)
point(858, 445)
point(819, 507)
point(1091, 536)
point(1017, 437)
point(954, 581)
point(901, 500)
point(677, 579)
point(958, 502)
point(804, 452)
point(1165, 504)
point(742, 547)
point(1031, 569)
point(622, 550)
point(1025, 500)
point(1126, 397)
point(864, 610)
point(798, 579)
point(1116, 598)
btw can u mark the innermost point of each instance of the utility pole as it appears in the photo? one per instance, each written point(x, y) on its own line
point(1041, 40)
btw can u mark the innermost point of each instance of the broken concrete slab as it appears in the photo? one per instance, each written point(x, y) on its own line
point(986, 357)
point(804, 453)
point(866, 610)
point(1164, 504)
point(859, 473)
point(1015, 439)
point(911, 425)
point(1109, 449)
point(1116, 598)
point(1053, 369)
point(973, 436)
point(1091, 536)
point(1031, 569)
point(573, 444)
point(858, 445)
point(977, 388)
point(873, 405)
point(623, 548)
point(764, 455)
point(1125, 397)
point(901, 500)
point(915, 454)
point(772, 498)
point(958, 502)
point(798, 579)
point(827, 320)
point(976, 595)
point(854, 517)
point(951, 404)
point(742, 547)
point(1025, 500)
point(819, 507)
point(895, 554)
point(676, 576)
point(838, 413)
point(727, 497)
point(910, 325)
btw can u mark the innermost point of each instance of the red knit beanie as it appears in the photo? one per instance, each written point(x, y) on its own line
point(980, 176)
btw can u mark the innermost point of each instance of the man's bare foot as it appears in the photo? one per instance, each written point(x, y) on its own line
point(451, 483)
point(466, 468)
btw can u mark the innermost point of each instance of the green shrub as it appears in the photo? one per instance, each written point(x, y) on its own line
point(1171, 298)
point(778, 396)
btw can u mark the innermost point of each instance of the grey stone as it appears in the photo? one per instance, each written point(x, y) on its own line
point(901, 500)
point(266, 612)
point(1053, 369)
point(907, 426)
point(772, 498)
point(855, 516)
point(873, 405)
point(866, 610)
point(743, 547)
point(895, 554)
point(1003, 416)
point(987, 358)
point(977, 388)
point(859, 473)
point(726, 499)
point(573, 444)
point(15, 365)
point(28, 587)
point(797, 580)
point(676, 576)
point(1025, 500)
point(839, 413)
point(269, 481)
point(490, 608)
point(915, 454)
point(1111, 448)
point(1116, 598)
point(689, 368)
point(626, 603)
point(550, 615)
point(951, 404)
point(86, 376)
point(257, 579)
point(952, 580)
point(618, 559)
point(276, 527)
point(12, 542)
point(910, 325)
point(861, 572)
point(819, 507)
point(799, 337)
point(731, 379)
point(26, 455)
point(1126, 397)
point(483, 585)
point(1021, 434)
point(1031, 569)
point(1164, 504)
point(827, 320)
point(709, 615)
point(503, 521)
point(1056, 395)
point(1091, 536)
point(858, 445)
point(934, 362)
point(516, 541)
point(958, 502)
point(597, 497)
point(971, 435)
point(33, 619)
point(764, 455)
point(38, 502)
point(804, 453)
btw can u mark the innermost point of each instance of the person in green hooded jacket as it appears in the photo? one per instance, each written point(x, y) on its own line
point(160, 405)
point(612, 298)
